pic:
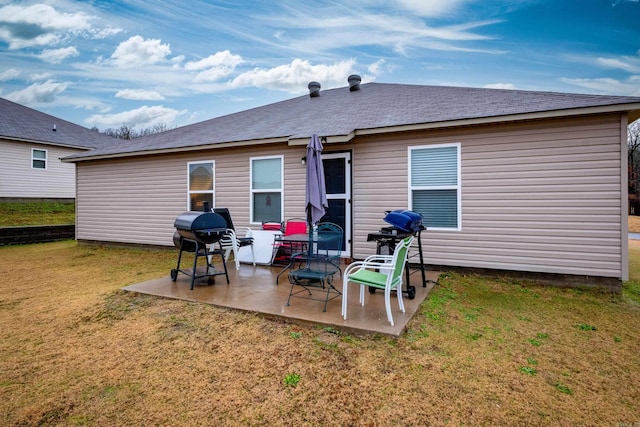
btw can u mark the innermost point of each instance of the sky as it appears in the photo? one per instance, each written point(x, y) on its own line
point(149, 63)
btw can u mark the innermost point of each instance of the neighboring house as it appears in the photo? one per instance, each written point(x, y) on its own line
point(507, 180)
point(31, 146)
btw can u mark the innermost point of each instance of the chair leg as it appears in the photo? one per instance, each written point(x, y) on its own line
point(235, 254)
point(253, 256)
point(387, 304)
point(345, 284)
point(400, 300)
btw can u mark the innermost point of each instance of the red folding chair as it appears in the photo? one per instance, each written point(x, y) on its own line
point(283, 251)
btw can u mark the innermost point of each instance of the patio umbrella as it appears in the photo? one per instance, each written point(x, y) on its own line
point(316, 193)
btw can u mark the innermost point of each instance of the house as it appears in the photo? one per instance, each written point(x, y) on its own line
point(507, 180)
point(31, 146)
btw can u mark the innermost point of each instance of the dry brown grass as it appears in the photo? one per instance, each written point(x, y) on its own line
point(75, 350)
point(634, 224)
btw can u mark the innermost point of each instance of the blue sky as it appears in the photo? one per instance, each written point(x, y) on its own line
point(149, 62)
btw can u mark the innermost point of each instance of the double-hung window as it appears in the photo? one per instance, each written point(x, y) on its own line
point(266, 188)
point(201, 185)
point(434, 185)
point(38, 159)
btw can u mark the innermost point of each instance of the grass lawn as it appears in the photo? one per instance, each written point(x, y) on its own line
point(76, 350)
point(37, 213)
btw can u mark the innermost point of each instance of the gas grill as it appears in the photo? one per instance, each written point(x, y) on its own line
point(404, 223)
point(197, 233)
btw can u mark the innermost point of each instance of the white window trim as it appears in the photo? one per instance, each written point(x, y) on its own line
point(264, 190)
point(46, 158)
point(457, 187)
point(189, 192)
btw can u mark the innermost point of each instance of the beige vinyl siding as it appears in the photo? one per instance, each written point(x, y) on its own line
point(543, 197)
point(136, 200)
point(19, 179)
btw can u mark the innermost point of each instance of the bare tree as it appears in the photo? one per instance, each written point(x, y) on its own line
point(128, 132)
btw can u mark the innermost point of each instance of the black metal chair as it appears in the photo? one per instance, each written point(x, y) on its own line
point(231, 242)
point(318, 265)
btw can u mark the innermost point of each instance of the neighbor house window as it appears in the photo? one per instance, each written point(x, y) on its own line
point(434, 185)
point(38, 159)
point(266, 189)
point(201, 185)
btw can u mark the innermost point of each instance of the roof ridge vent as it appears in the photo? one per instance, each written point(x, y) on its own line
point(314, 89)
point(354, 82)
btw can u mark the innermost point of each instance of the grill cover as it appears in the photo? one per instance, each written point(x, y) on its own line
point(404, 220)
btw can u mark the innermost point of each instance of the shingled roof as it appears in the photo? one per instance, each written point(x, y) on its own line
point(21, 123)
point(340, 114)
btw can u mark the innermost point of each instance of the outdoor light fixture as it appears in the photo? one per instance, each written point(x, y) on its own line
point(304, 160)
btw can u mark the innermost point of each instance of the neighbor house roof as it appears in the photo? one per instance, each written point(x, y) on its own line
point(341, 114)
point(21, 123)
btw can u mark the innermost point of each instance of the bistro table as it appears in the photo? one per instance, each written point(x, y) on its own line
point(293, 239)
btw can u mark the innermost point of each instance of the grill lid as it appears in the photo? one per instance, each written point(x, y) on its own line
point(194, 221)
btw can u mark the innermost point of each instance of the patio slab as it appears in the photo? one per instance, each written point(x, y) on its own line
point(254, 289)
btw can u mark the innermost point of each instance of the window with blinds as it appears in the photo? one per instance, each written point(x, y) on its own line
point(434, 175)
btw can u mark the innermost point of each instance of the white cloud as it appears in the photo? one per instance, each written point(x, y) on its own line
point(219, 58)
point(140, 118)
point(38, 25)
point(103, 33)
point(137, 51)
point(215, 67)
point(56, 56)
point(362, 28)
point(500, 86)
point(38, 93)
point(629, 64)
point(376, 66)
point(608, 86)
point(295, 76)
point(9, 74)
point(139, 95)
point(431, 8)
point(39, 76)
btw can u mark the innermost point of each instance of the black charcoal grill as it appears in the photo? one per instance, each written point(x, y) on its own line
point(198, 232)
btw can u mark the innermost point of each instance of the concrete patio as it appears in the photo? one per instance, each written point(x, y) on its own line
point(254, 289)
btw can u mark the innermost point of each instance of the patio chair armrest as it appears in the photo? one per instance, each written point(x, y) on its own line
point(379, 258)
point(368, 265)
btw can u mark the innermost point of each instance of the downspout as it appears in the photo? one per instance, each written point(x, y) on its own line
point(624, 197)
